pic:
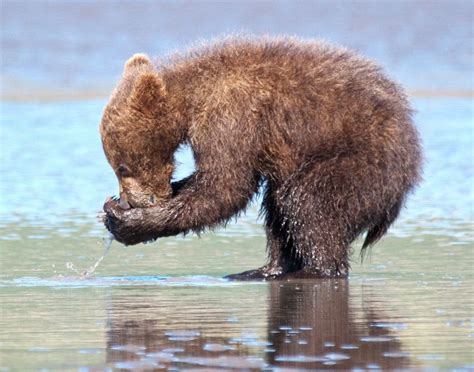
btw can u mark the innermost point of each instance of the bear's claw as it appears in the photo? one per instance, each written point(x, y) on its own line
point(263, 273)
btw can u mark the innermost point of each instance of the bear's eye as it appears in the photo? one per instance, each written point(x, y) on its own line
point(123, 170)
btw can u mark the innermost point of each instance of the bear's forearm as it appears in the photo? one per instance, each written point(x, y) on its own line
point(201, 202)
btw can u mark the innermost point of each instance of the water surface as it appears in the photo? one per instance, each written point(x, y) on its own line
point(164, 304)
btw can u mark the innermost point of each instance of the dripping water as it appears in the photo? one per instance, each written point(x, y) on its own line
point(107, 242)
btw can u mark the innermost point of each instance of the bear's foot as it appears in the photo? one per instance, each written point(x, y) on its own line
point(266, 272)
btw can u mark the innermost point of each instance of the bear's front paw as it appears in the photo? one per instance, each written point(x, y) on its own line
point(126, 225)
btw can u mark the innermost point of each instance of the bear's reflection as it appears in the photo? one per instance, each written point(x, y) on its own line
point(307, 324)
point(320, 319)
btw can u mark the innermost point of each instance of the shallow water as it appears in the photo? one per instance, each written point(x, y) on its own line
point(165, 305)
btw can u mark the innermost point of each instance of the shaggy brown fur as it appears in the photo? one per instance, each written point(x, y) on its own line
point(329, 135)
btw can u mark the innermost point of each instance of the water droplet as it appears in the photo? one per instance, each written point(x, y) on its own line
point(349, 347)
point(375, 339)
point(217, 347)
point(396, 354)
point(336, 356)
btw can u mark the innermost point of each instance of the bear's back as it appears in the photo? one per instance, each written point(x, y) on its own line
point(289, 98)
point(309, 65)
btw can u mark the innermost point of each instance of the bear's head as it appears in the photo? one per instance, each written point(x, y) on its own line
point(137, 138)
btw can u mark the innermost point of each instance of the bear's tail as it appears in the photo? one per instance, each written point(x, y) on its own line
point(381, 227)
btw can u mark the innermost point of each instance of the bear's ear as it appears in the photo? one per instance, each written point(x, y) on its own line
point(136, 60)
point(148, 92)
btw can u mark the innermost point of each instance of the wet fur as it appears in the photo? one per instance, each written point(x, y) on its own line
point(326, 132)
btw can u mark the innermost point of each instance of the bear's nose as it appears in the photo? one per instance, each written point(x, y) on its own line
point(123, 203)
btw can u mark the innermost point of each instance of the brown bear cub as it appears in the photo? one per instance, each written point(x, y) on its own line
point(326, 135)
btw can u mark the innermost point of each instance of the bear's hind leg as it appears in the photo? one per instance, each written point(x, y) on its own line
point(279, 245)
point(330, 201)
point(327, 206)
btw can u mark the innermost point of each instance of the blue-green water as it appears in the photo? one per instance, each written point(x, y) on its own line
point(410, 305)
point(54, 164)
point(164, 305)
